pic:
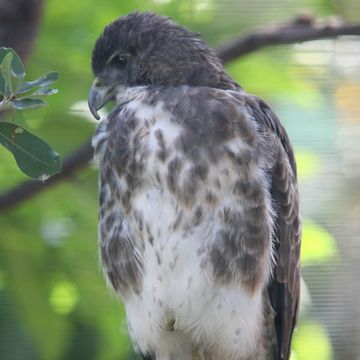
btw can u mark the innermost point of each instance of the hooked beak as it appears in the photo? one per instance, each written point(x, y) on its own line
point(99, 95)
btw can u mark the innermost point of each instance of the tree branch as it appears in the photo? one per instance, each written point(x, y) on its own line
point(19, 22)
point(30, 188)
point(301, 29)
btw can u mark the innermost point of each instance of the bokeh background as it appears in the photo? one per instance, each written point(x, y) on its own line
point(54, 304)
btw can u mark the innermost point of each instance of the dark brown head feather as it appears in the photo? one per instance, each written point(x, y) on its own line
point(160, 52)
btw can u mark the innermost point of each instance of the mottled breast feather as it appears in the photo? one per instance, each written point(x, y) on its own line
point(121, 157)
point(215, 157)
point(284, 287)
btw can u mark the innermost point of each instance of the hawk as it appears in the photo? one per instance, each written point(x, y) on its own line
point(199, 228)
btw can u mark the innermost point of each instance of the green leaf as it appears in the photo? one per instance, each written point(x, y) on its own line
point(27, 103)
point(3, 52)
point(33, 155)
point(17, 66)
point(317, 244)
point(308, 163)
point(312, 342)
point(64, 297)
point(5, 71)
point(43, 81)
point(16, 71)
point(45, 92)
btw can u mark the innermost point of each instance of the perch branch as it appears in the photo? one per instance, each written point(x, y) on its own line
point(301, 29)
point(77, 160)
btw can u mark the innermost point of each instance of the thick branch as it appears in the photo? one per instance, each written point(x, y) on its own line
point(300, 30)
point(28, 189)
point(19, 22)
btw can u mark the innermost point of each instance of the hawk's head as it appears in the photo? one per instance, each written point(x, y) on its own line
point(148, 49)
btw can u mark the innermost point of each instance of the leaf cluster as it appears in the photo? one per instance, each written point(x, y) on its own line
point(33, 155)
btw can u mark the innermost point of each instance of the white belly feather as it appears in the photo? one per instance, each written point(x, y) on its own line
point(178, 294)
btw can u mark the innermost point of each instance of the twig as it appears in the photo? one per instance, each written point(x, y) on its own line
point(301, 29)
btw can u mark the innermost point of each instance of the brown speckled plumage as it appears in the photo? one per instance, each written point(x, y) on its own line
point(199, 217)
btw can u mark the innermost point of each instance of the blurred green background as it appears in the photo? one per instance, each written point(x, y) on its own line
point(54, 304)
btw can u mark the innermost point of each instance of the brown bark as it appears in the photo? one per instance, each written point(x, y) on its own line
point(19, 22)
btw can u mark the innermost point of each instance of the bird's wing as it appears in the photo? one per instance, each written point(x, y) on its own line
point(284, 287)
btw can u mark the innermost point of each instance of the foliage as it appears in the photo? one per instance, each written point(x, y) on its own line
point(32, 154)
point(318, 245)
point(53, 300)
point(312, 342)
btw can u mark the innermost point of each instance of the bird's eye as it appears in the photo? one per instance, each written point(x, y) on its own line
point(120, 61)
